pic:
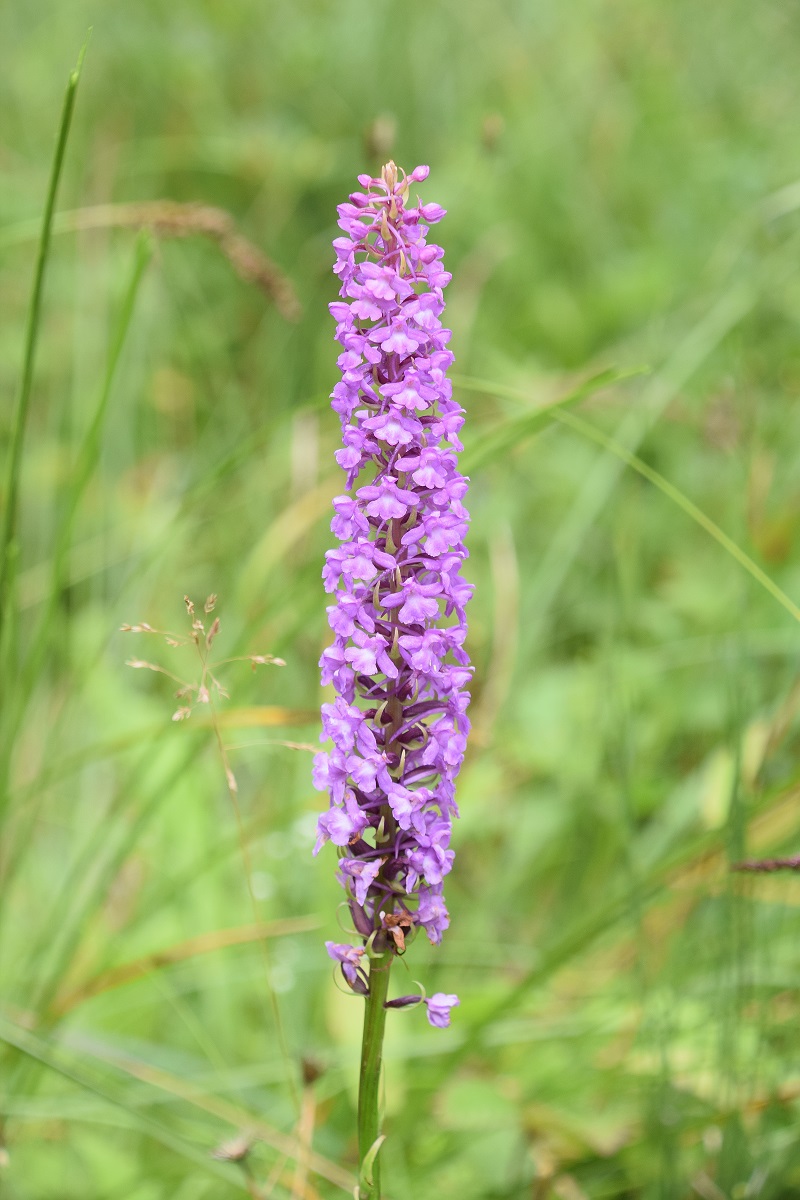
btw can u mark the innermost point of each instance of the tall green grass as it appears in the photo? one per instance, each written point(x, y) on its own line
point(621, 183)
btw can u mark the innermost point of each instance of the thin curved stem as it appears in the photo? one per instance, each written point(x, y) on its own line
point(688, 506)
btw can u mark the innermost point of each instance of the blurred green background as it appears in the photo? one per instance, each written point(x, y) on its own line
point(622, 186)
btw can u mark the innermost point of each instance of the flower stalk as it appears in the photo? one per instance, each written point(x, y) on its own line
point(369, 1130)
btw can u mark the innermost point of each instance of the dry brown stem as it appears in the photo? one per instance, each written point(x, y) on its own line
point(168, 218)
point(204, 943)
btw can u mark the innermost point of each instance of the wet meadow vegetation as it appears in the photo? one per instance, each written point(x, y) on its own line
point(622, 186)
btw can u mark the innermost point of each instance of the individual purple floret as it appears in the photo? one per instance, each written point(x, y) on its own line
point(349, 957)
point(439, 1006)
point(398, 665)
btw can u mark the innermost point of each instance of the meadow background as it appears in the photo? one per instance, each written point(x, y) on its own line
point(623, 186)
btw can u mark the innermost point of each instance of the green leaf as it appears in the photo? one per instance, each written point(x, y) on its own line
point(367, 1166)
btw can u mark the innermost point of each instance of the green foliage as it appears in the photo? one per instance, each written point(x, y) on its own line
point(621, 181)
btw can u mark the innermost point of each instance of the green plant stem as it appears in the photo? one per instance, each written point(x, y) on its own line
point(369, 1079)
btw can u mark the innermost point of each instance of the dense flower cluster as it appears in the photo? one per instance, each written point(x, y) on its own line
point(398, 664)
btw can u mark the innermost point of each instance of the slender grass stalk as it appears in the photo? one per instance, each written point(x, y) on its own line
point(689, 507)
point(87, 459)
point(496, 444)
point(8, 546)
point(564, 544)
point(88, 454)
point(369, 1123)
point(8, 551)
point(558, 411)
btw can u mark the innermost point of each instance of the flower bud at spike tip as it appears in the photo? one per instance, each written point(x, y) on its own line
point(398, 665)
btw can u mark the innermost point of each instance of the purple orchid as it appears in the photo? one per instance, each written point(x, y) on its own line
point(398, 666)
point(397, 663)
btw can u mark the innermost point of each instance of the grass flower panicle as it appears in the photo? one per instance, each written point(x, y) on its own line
point(398, 665)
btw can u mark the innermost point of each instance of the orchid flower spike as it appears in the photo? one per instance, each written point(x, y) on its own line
point(398, 665)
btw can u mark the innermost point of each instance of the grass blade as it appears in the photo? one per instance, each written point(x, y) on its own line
point(558, 412)
point(87, 460)
point(20, 419)
point(693, 350)
point(204, 943)
point(694, 862)
point(40, 1051)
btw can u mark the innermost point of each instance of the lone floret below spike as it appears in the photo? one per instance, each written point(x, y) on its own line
point(398, 665)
